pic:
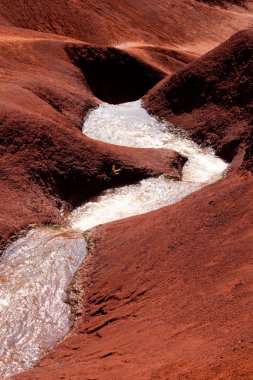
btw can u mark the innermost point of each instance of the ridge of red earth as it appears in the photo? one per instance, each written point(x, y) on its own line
point(212, 98)
point(168, 295)
point(168, 60)
point(191, 25)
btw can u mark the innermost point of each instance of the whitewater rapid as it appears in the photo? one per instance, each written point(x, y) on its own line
point(37, 269)
point(129, 124)
point(35, 273)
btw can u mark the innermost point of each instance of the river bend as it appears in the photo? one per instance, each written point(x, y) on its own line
point(36, 270)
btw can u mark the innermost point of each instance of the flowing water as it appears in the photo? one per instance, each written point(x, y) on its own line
point(130, 125)
point(147, 195)
point(36, 270)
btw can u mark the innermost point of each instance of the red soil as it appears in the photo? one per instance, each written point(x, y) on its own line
point(45, 166)
point(224, 2)
point(167, 295)
point(168, 60)
point(212, 98)
point(189, 24)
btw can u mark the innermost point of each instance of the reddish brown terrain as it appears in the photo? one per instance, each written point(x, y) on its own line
point(167, 295)
point(212, 98)
point(45, 159)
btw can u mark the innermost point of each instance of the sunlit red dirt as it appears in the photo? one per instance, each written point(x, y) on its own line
point(167, 295)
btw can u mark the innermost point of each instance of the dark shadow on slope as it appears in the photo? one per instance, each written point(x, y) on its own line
point(113, 75)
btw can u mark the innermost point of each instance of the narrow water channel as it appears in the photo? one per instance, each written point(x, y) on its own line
point(129, 124)
point(36, 270)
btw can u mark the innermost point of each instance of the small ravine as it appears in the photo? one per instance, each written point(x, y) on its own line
point(37, 269)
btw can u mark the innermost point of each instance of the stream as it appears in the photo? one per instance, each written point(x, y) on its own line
point(37, 269)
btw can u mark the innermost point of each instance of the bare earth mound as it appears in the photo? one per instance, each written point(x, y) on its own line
point(213, 97)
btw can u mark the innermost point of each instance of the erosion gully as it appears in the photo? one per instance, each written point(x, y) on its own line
point(37, 269)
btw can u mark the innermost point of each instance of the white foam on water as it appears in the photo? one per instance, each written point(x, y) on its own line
point(35, 272)
point(129, 124)
point(114, 204)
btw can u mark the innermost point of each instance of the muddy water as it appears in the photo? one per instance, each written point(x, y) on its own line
point(36, 270)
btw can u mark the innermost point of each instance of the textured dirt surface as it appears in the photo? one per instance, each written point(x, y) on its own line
point(190, 24)
point(224, 3)
point(43, 171)
point(212, 98)
point(167, 295)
